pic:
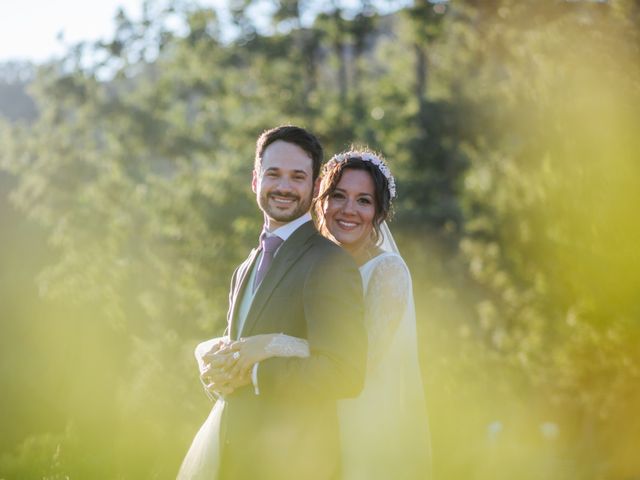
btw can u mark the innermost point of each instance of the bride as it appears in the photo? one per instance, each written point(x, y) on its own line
point(384, 432)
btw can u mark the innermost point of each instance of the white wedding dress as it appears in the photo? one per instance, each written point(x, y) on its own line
point(384, 431)
point(202, 459)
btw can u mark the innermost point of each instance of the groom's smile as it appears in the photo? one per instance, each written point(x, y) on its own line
point(285, 205)
point(283, 200)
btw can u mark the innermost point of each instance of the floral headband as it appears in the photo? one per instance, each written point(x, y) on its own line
point(366, 157)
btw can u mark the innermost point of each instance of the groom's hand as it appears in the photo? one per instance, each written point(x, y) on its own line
point(214, 373)
point(214, 379)
point(239, 380)
point(219, 374)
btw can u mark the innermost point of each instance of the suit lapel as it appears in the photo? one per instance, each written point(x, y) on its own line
point(240, 285)
point(290, 251)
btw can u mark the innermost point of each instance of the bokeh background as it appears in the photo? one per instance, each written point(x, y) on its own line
point(513, 128)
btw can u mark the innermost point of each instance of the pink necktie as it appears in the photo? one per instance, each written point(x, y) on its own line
point(269, 246)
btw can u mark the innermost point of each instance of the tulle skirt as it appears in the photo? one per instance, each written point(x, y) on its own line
point(203, 458)
point(384, 431)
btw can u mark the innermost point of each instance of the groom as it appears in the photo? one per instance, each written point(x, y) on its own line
point(281, 421)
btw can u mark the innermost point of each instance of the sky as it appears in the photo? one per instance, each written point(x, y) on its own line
point(29, 29)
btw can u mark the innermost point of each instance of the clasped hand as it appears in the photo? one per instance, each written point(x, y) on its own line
point(227, 366)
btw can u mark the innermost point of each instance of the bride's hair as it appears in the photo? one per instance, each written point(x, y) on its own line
point(358, 158)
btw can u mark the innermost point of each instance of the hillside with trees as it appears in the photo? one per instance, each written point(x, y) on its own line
point(512, 129)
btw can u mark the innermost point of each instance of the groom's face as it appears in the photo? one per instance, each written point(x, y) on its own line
point(284, 183)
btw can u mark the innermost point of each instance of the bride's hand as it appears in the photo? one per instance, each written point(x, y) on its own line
point(249, 351)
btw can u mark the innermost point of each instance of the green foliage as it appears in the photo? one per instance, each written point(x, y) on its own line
point(511, 129)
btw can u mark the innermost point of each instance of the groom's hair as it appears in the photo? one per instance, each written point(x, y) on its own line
point(304, 139)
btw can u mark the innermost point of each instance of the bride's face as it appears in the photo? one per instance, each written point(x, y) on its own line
point(350, 209)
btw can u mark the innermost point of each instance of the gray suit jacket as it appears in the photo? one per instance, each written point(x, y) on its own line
point(313, 290)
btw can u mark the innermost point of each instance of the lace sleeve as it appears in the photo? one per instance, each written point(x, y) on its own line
point(385, 304)
point(282, 345)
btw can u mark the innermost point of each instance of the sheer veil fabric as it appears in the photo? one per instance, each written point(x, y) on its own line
point(387, 242)
point(384, 431)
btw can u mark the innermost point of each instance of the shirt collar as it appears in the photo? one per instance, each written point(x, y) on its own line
point(287, 230)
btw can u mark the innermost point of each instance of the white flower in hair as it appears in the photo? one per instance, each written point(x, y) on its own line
point(371, 158)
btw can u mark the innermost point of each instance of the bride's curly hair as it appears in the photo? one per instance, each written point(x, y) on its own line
point(356, 158)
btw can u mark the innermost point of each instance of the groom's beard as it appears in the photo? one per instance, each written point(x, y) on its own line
point(284, 213)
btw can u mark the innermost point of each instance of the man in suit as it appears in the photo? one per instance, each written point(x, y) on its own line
point(280, 419)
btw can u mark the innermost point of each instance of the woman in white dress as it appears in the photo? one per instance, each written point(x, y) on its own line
point(384, 431)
